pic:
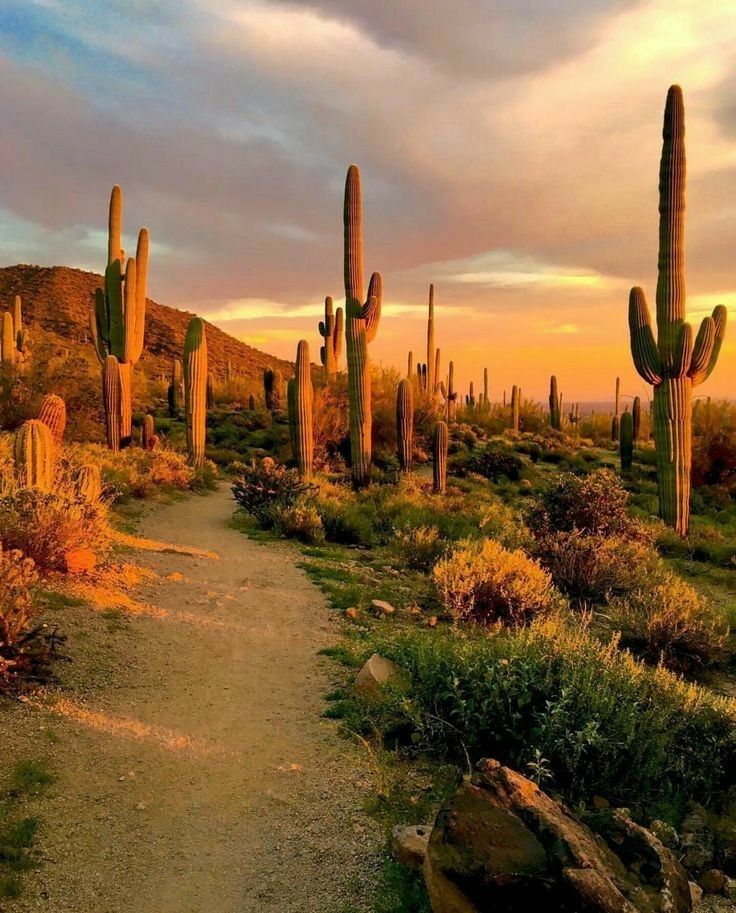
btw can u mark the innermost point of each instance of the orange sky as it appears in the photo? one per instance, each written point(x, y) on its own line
point(509, 154)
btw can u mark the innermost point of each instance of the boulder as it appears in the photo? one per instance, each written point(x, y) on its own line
point(381, 607)
point(377, 674)
point(712, 881)
point(502, 845)
point(409, 844)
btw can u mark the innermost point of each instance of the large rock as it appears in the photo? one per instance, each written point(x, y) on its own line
point(501, 845)
point(377, 674)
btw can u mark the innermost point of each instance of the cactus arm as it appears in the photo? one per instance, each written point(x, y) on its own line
point(720, 318)
point(141, 285)
point(643, 347)
point(703, 348)
point(353, 222)
point(129, 312)
point(371, 310)
point(338, 334)
point(115, 222)
point(683, 352)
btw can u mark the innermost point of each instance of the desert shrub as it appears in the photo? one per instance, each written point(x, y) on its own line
point(591, 567)
point(51, 527)
point(133, 472)
point(347, 521)
point(605, 724)
point(299, 521)
point(495, 461)
point(419, 547)
point(18, 579)
point(594, 504)
point(266, 490)
point(667, 621)
point(486, 583)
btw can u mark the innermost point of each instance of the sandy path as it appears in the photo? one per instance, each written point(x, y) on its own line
point(201, 777)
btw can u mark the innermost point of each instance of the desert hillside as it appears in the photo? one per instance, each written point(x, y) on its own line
point(58, 299)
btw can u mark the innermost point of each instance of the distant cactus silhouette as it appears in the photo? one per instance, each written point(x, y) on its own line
point(405, 424)
point(439, 452)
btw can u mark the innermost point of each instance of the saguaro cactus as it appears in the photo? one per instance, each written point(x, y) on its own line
point(626, 440)
point(273, 382)
point(410, 366)
point(405, 424)
point(210, 390)
point(251, 402)
point(555, 415)
point(439, 451)
point(515, 407)
point(111, 400)
point(176, 389)
point(331, 330)
point(636, 418)
point(674, 363)
point(195, 389)
point(18, 331)
point(486, 400)
point(303, 405)
point(448, 392)
point(7, 339)
point(149, 438)
point(432, 373)
point(34, 454)
point(362, 319)
point(117, 321)
point(53, 414)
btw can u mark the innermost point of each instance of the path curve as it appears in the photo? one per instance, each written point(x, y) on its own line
point(205, 778)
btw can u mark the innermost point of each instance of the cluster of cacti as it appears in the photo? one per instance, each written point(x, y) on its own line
point(675, 362)
point(626, 440)
point(470, 396)
point(555, 405)
point(362, 319)
point(439, 454)
point(195, 389)
point(273, 382)
point(53, 414)
point(574, 416)
point(149, 438)
point(117, 320)
point(300, 407)
point(405, 424)
point(34, 455)
point(176, 389)
point(331, 330)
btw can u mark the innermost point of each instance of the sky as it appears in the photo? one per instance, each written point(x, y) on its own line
point(508, 149)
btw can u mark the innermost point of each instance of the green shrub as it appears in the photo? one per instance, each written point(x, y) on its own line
point(668, 621)
point(494, 462)
point(486, 583)
point(299, 521)
point(266, 490)
point(607, 724)
point(419, 547)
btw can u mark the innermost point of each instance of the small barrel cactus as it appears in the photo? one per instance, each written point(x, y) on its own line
point(34, 453)
point(195, 390)
point(53, 414)
point(149, 438)
point(88, 483)
point(439, 452)
point(405, 424)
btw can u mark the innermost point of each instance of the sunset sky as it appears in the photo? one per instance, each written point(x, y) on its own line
point(509, 152)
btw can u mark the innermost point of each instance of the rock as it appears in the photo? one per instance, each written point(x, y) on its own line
point(665, 833)
point(409, 844)
point(352, 613)
point(696, 893)
point(377, 674)
point(502, 844)
point(381, 607)
point(713, 881)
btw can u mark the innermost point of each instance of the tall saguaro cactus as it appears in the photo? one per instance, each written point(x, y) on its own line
point(195, 389)
point(405, 424)
point(675, 362)
point(303, 397)
point(515, 407)
point(432, 371)
point(331, 330)
point(362, 319)
point(117, 320)
point(439, 448)
point(555, 411)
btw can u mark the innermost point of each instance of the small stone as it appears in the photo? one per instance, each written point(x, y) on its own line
point(600, 802)
point(352, 613)
point(381, 607)
point(432, 621)
point(409, 844)
point(712, 882)
point(378, 673)
point(141, 806)
point(696, 893)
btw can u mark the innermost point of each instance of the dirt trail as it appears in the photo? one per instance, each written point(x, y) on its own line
point(201, 777)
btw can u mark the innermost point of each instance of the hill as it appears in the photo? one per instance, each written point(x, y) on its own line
point(58, 299)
